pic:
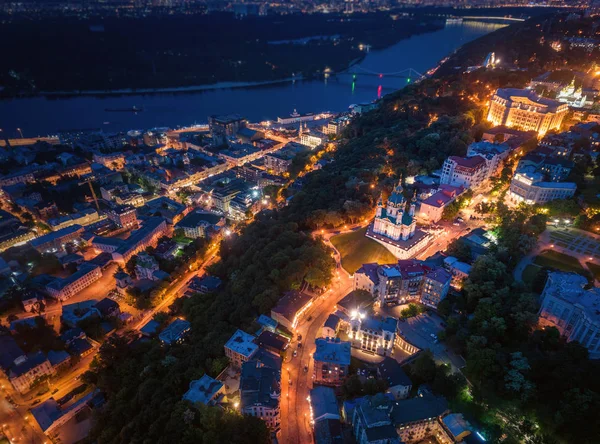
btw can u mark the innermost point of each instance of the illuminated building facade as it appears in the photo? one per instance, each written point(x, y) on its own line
point(524, 109)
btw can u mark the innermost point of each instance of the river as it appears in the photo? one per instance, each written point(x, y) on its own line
point(43, 115)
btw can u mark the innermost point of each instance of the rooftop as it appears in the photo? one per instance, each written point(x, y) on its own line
point(203, 390)
point(291, 303)
point(323, 402)
point(84, 269)
point(55, 235)
point(333, 351)
point(242, 343)
point(174, 331)
point(528, 97)
point(271, 340)
point(196, 218)
point(417, 409)
point(150, 327)
point(468, 162)
point(570, 288)
point(259, 385)
point(355, 300)
point(392, 372)
point(33, 360)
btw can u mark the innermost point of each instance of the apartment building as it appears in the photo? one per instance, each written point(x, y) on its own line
point(331, 361)
point(467, 172)
point(64, 288)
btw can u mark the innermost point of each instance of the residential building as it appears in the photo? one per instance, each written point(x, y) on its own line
point(175, 332)
point(279, 162)
point(272, 342)
point(524, 109)
point(395, 226)
point(312, 138)
point(432, 208)
point(152, 229)
point(73, 314)
point(205, 284)
point(323, 404)
point(371, 422)
point(399, 384)
point(260, 390)
point(64, 288)
point(418, 418)
point(200, 224)
point(28, 370)
point(225, 126)
point(459, 270)
point(50, 415)
point(329, 431)
point(83, 217)
point(56, 240)
point(240, 348)
point(574, 310)
point(406, 281)
point(205, 390)
point(124, 216)
point(467, 172)
point(31, 300)
point(531, 188)
point(493, 153)
point(291, 307)
point(372, 334)
point(331, 361)
point(331, 326)
point(108, 308)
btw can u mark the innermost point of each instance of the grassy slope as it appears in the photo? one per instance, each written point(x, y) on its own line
point(356, 249)
point(560, 261)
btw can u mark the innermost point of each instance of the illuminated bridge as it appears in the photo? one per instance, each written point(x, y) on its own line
point(409, 74)
point(475, 17)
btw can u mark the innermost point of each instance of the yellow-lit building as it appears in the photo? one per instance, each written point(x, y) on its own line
point(524, 109)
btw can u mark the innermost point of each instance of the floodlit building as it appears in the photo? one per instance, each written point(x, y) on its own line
point(291, 307)
point(332, 361)
point(395, 226)
point(432, 208)
point(467, 172)
point(573, 310)
point(531, 188)
point(124, 216)
point(404, 282)
point(524, 109)
point(199, 224)
point(57, 239)
point(64, 288)
point(373, 334)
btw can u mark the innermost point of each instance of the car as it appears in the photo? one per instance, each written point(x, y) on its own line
point(468, 229)
point(460, 219)
point(299, 344)
point(299, 338)
point(37, 401)
point(290, 381)
point(306, 369)
point(295, 353)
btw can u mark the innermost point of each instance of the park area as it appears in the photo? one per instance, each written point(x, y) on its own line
point(357, 249)
point(558, 261)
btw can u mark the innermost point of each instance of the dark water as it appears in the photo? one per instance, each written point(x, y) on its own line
point(42, 116)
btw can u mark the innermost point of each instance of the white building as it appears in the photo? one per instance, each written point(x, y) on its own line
point(62, 289)
point(531, 188)
point(468, 172)
point(574, 311)
point(240, 348)
point(373, 335)
point(395, 226)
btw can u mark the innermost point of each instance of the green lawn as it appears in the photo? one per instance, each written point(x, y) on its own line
point(560, 261)
point(530, 273)
point(595, 269)
point(356, 249)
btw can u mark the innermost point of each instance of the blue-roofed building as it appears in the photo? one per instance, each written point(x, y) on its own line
point(74, 333)
point(78, 311)
point(23, 323)
point(205, 284)
point(240, 348)
point(267, 322)
point(371, 422)
point(59, 359)
point(323, 404)
point(80, 347)
point(331, 361)
point(331, 326)
point(205, 390)
point(175, 331)
point(399, 384)
point(150, 328)
point(9, 352)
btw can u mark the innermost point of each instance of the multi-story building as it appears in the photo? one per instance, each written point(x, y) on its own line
point(222, 127)
point(152, 230)
point(332, 361)
point(371, 422)
point(64, 288)
point(493, 153)
point(524, 109)
point(240, 348)
point(467, 172)
point(399, 384)
point(145, 266)
point(205, 390)
point(291, 307)
point(124, 216)
point(311, 139)
point(407, 281)
point(573, 310)
point(421, 417)
point(459, 270)
point(28, 370)
point(432, 208)
point(372, 334)
point(260, 390)
point(531, 188)
point(83, 217)
point(395, 226)
point(280, 161)
point(57, 239)
point(199, 223)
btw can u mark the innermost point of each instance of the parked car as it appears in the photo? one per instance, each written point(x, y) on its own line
point(299, 338)
point(295, 353)
point(306, 369)
point(299, 344)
